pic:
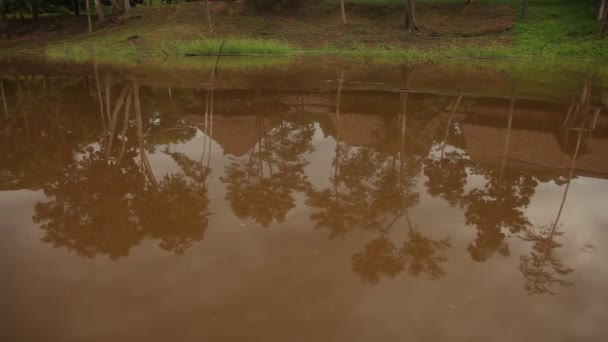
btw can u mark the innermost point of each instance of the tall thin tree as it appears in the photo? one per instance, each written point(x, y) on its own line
point(343, 11)
point(88, 8)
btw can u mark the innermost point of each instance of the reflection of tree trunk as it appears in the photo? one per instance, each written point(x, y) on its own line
point(337, 152)
point(21, 109)
point(145, 164)
point(449, 124)
point(4, 104)
point(570, 174)
point(99, 96)
point(108, 95)
point(114, 119)
point(506, 149)
point(339, 95)
point(125, 125)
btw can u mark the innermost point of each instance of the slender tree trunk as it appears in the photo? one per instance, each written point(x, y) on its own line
point(116, 7)
point(99, 9)
point(343, 11)
point(208, 14)
point(600, 12)
point(76, 7)
point(88, 8)
point(602, 28)
point(524, 9)
point(127, 6)
point(33, 6)
point(4, 8)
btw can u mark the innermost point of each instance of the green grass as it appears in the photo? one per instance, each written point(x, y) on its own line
point(555, 30)
point(82, 52)
point(232, 46)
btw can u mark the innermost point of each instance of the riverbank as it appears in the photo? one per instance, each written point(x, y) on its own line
point(553, 31)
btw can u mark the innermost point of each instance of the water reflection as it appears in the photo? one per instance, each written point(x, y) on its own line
point(107, 198)
point(90, 143)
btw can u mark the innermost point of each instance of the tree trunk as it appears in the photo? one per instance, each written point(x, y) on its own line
point(343, 11)
point(410, 16)
point(116, 7)
point(208, 13)
point(76, 7)
point(34, 7)
point(4, 8)
point(99, 9)
point(600, 12)
point(524, 9)
point(127, 6)
point(602, 28)
point(88, 7)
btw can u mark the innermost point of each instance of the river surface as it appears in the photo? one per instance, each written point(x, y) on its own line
point(307, 201)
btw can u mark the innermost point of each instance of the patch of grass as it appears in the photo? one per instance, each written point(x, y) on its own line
point(559, 28)
point(232, 46)
point(83, 52)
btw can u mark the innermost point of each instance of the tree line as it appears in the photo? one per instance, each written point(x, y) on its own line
point(99, 8)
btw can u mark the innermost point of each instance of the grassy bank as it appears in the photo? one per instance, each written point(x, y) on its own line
point(554, 31)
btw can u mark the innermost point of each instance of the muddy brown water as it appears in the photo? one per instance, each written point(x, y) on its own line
point(302, 202)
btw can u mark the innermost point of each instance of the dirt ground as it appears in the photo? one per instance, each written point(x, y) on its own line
point(312, 26)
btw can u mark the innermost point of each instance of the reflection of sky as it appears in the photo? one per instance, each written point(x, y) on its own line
point(288, 282)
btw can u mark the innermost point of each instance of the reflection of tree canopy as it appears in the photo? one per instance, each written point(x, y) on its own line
point(446, 177)
point(262, 187)
point(372, 189)
point(447, 174)
point(42, 129)
point(175, 211)
point(498, 205)
point(105, 202)
point(542, 268)
point(90, 208)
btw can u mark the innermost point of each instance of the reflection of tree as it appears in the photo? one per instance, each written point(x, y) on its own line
point(499, 204)
point(89, 210)
point(542, 268)
point(447, 175)
point(418, 255)
point(495, 207)
point(371, 190)
point(262, 187)
point(175, 212)
point(105, 202)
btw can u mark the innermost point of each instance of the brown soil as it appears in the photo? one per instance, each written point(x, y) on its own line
point(314, 25)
